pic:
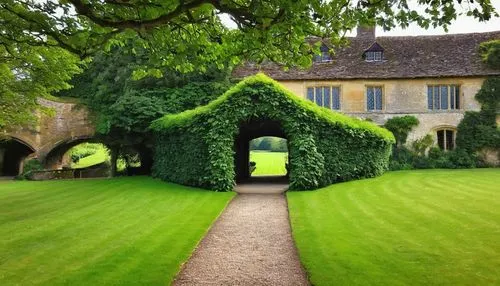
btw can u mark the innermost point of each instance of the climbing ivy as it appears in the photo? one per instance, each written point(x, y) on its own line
point(195, 147)
point(401, 127)
point(490, 53)
point(479, 130)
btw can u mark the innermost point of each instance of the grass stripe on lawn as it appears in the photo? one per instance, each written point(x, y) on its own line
point(429, 227)
point(125, 231)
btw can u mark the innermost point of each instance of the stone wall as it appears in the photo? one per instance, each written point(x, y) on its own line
point(401, 97)
point(65, 124)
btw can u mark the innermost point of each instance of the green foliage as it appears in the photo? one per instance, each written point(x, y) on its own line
point(269, 143)
point(30, 166)
point(195, 147)
point(423, 144)
point(190, 35)
point(123, 107)
point(401, 159)
point(490, 52)
point(401, 127)
point(404, 159)
point(83, 150)
point(26, 73)
point(489, 94)
point(479, 130)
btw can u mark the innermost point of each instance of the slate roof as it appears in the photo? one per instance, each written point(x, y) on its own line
point(453, 55)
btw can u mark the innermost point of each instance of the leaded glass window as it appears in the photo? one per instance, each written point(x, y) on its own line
point(310, 93)
point(319, 96)
point(336, 98)
point(374, 98)
point(446, 139)
point(325, 96)
point(373, 56)
point(443, 97)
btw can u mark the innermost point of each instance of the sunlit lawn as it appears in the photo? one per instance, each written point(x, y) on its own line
point(269, 163)
point(99, 157)
point(126, 231)
point(431, 227)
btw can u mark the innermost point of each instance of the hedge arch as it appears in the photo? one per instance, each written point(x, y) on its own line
point(197, 147)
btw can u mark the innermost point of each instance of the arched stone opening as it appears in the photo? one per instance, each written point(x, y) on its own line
point(135, 160)
point(57, 157)
point(130, 160)
point(249, 130)
point(13, 151)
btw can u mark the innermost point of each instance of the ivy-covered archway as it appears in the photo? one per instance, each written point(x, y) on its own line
point(196, 147)
point(248, 130)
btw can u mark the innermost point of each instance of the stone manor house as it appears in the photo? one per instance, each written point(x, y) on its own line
point(433, 78)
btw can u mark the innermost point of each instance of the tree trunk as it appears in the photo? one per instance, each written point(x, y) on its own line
point(114, 158)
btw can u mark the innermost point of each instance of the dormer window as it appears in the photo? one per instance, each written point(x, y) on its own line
point(325, 54)
point(374, 54)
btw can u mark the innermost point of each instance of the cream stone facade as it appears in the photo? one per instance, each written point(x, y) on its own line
point(400, 97)
point(402, 69)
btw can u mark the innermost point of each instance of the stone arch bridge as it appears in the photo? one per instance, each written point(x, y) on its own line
point(54, 135)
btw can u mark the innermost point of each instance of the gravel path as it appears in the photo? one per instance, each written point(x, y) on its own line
point(250, 244)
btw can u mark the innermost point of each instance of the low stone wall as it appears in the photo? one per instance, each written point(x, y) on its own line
point(51, 175)
point(68, 174)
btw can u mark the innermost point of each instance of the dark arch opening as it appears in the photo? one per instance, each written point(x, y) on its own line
point(136, 160)
point(12, 153)
point(129, 160)
point(248, 131)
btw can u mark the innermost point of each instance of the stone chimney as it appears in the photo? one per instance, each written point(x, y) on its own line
point(366, 32)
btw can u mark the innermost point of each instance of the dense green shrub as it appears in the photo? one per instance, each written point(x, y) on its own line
point(461, 159)
point(404, 159)
point(401, 159)
point(420, 146)
point(29, 167)
point(479, 130)
point(489, 94)
point(83, 150)
point(195, 147)
point(490, 52)
point(401, 126)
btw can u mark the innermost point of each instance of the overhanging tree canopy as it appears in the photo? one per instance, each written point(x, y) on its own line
point(197, 147)
point(189, 34)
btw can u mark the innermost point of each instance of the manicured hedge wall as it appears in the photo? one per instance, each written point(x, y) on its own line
point(195, 147)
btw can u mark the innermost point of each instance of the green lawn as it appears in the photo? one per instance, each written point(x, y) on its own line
point(125, 231)
point(100, 156)
point(269, 163)
point(430, 227)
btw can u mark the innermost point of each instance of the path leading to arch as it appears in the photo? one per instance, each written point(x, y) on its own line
point(250, 244)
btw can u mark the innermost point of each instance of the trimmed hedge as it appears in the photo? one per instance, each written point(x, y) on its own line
point(195, 147)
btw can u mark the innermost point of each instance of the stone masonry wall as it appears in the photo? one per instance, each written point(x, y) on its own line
point(401, 97)
point(67, 123)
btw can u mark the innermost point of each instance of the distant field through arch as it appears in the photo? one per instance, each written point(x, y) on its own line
point(270, 155)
